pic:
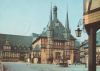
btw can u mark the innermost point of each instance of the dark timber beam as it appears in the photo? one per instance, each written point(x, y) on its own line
point(92, 49)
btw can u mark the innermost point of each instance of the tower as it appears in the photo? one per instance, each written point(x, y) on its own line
point(69, 39)
point(55, 13)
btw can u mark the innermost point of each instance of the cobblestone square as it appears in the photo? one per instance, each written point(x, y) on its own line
point(19, 66)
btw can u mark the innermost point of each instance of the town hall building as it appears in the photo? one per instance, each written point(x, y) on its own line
point(55, 44)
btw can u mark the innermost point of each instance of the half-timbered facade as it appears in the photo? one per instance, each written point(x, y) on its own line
point(14, 47)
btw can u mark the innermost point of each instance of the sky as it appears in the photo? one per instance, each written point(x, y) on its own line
point(24, 17)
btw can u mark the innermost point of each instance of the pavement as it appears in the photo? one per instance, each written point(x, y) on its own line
point(21, 66)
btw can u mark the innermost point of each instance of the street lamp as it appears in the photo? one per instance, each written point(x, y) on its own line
point(78, 31)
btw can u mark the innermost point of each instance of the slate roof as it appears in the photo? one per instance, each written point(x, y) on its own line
point(16, 41)
point(58, 31)
point(34, 35)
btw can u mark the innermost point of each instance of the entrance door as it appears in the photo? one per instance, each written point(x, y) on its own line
point(57, 55)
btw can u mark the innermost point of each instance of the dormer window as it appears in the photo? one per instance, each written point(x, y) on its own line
point(57, 24)
point(7, 46)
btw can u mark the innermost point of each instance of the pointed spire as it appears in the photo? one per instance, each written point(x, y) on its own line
point(67, 29)
point(67, 23)
point(51, 14)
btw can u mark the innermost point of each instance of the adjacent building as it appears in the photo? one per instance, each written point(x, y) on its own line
point(84, 50)
point(15, 47)
point(56, 43)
